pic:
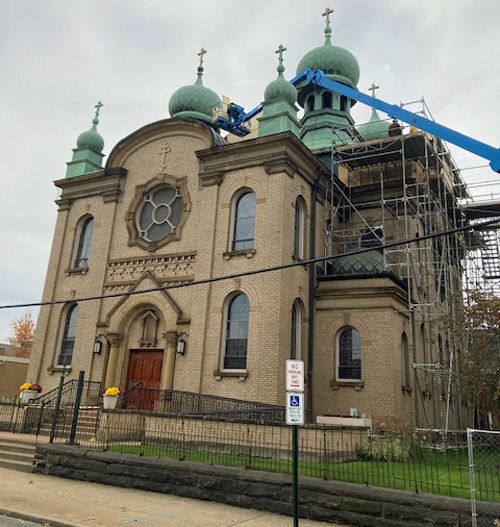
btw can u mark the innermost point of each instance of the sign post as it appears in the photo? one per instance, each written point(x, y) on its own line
point(294, 416)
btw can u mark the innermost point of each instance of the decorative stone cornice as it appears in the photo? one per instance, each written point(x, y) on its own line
point(278, 154)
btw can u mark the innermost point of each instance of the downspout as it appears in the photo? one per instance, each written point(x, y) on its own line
point(312, 292)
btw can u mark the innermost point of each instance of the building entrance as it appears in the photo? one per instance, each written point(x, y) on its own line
point(144, 367)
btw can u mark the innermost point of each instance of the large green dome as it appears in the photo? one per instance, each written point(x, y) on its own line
point(91, 138)
point(194, 101)
point(337, 63)
point(375, 128)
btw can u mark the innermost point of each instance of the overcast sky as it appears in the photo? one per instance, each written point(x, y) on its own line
point(59, 57)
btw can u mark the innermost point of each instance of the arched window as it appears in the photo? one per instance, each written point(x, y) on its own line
point(310, 103)
point(327, 99)
point(373, 237)
point(405, 361)
point(69, 335)
point(344, 105)
point(244, 222)
point(349, 354)
point(298, 240)
point(296, 338)
point(236, 337)
point(83, 250)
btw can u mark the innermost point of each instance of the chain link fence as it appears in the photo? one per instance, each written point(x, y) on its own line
point(484, 473)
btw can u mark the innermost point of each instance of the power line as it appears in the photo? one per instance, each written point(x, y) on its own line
point(257, 271)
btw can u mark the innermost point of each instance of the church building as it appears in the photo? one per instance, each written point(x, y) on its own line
point(156, 251)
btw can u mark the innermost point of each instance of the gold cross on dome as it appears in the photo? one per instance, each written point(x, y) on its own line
point(327, 14)
point(200, 54)
point(280, 54)
point(372, 88)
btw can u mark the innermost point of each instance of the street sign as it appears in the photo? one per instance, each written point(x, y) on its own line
point(294, 409)
point(294, 375)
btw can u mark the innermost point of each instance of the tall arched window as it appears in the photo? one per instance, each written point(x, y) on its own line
point(244, 222)
point(327, 99)
point(405, 361)
point(310, 103)
point(343, 103)
point(296, 337)
point(298, 240)
point(236, 338)
point(349, 354)
point(69, 335)
point(424, 343)
point(83, 250)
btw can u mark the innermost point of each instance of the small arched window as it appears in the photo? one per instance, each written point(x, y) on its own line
point(344, 105)
point(327, 99)
point(349, 355)
point(84, 241)
point(299, 232)
point(244, 222)
point(310, 103)
point(405, 360)
point(236, 334)
point(373, 237)
point(296, 337)
point(69, 335)
point(424, 343)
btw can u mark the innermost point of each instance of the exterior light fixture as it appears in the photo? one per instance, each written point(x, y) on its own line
point(97, 346)
point(181, 346)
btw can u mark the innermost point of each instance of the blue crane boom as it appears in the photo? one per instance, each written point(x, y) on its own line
point(318, 78)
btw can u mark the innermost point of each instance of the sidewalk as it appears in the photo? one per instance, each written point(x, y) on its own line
point(64, 502)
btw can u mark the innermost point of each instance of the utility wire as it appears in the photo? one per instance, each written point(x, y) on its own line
point(258, 271)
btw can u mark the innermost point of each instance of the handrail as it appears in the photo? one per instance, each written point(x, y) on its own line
point(47, 398)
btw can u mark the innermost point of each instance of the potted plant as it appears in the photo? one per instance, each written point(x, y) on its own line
point(110, 398)
point(29, 392)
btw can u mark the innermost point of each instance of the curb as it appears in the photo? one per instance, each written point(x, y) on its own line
point(53, 522)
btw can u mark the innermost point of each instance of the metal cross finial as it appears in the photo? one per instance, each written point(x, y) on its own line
point(98, 106)
point(327, 14)
point(200, 54)
point(372, 88)
point(280, 54)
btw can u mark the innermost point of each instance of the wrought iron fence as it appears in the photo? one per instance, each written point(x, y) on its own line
point(484, 464)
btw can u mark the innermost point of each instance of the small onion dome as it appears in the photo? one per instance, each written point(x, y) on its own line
point(280, 88)
point(194, 101)
point(91, 138)
point(337, 63)
point(375, 128)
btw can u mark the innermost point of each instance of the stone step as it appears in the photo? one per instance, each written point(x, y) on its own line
point(16, 446)
point(11, 455)
point(20, 466)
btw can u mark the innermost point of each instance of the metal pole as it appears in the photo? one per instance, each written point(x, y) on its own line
point(78, 400)
point(56, 410)
point(295, 474)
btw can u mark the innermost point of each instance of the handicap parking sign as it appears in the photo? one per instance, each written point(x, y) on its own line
point(294, 409)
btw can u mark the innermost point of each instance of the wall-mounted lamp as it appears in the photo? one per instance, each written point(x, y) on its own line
point(97, 346)
point(181, 346)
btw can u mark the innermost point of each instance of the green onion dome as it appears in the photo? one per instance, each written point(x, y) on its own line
point(194, 101)
point(280, 88)
point(337, 63)
point(91, 138)
point(375, 128)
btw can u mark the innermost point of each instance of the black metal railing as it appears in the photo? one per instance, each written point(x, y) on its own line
point(174, 402)
point(92, 392)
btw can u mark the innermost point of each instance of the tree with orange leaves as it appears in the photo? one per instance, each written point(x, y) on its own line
point(23, 329)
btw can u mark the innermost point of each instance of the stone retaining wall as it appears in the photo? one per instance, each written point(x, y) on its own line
point(328, 501)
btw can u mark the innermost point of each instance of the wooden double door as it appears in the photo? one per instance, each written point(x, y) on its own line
point(144, 367)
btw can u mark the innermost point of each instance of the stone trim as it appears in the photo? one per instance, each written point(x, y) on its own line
point(241, 375)
point(249, 253)
point(357, 385)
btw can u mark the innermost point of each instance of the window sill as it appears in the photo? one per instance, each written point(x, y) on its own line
point(240, 375)
point(59, 369)
point(298, 259)
point(77, 270)
point(357, 385)
point(406, 389)
point(233, 254)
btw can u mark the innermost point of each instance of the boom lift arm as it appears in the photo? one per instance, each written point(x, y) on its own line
point(317, 77)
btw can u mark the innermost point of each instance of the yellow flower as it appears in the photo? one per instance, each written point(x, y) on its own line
point(25, 386)
point(114, 390)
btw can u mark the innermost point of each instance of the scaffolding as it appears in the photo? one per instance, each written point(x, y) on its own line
point(403, 188)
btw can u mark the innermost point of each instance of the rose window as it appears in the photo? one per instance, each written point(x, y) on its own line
point(159, 213)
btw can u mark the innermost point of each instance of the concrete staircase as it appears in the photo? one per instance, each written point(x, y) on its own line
point(88, 422)
point(17, 452)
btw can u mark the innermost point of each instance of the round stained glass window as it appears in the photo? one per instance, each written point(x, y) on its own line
point(159, 214)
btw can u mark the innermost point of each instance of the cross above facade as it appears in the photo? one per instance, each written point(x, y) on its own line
point(372, 88)
point(164, 150)
point(327, 14)
point(98, 108)
point(280, 54)
point(200, 54)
